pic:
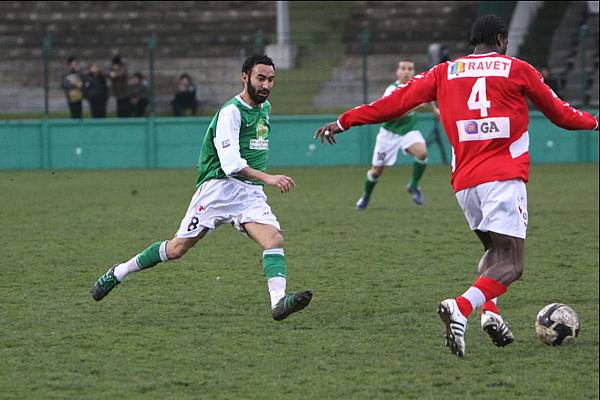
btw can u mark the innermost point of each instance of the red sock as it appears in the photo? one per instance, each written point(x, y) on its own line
point(490, 306)
point(464, 306)
point(487, 287)
point(490, 288)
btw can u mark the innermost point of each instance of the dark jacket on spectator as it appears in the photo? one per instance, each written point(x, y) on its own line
point(95, 90)
point(138, 91)
point(95, 87)
point(119, 84)
point(138, 97)
point(185, 100)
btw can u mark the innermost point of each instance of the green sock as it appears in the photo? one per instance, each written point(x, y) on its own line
point(418, 169)
point(370, 183)
point(152, 255)
point(274, 263)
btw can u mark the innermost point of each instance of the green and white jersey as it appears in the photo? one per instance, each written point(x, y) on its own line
point(404, 124)
point(237, 137)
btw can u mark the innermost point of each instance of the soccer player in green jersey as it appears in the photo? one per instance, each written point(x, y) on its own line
point(395, 135)
point(232, 166)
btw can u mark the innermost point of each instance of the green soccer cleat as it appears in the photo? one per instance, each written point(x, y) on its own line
point(105, 284)
point(291, 303)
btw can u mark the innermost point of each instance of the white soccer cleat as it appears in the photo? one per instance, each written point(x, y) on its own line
point(496, 329)
point(456, 325)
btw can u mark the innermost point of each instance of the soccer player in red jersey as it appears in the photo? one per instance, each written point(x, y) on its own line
point(482, 102)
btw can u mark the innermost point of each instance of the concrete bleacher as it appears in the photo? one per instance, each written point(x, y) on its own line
point(578, 76)
point(207, 39)
point(582, 80)
point(397, 29)
point(403, 26)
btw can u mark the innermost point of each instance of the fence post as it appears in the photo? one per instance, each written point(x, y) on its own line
point(259, 42)
point(151, 51)
point(46, 152)
point(151, 123)
point(46, 43)
point(582, 47)
point(365, 55)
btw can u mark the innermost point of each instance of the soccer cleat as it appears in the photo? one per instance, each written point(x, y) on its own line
point(416, 194)
point(496, 329)
point(362, 203)
point(291, 303)
point(105, 284)
point(456, 324)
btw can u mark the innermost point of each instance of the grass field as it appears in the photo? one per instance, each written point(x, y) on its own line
point(200, 328)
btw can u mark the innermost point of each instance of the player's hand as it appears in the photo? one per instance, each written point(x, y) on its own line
point(596, 116)
point(282, 182)
point(326, 132)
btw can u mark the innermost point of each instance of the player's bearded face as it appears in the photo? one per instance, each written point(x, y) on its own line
point(260, 82)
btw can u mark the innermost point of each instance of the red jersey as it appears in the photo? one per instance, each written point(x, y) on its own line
point(484, 113)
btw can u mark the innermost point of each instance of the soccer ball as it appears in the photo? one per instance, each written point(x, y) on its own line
point(557, 324)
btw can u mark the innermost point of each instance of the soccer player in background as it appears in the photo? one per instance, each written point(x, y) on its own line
point(398, 134)
point(232, 166)
point(482, 100)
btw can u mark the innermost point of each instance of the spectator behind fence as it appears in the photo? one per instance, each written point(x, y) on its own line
point(185, 97)
point(95, 91)
point(119, 86)
point(550, 80)
point(138, 95)
point(72, 84)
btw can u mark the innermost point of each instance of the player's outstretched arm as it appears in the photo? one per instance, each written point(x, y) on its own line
point(281, 182)
point(556, 110)
point(420, 89)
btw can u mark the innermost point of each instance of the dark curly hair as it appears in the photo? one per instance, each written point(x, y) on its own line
point(254, 60)
point(486, 29)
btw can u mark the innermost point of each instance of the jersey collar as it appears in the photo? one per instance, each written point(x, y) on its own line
point(484, 54)
point(239, 98)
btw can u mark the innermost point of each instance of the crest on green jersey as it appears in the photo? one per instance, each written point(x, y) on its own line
point(261, 142)
point(262, 130)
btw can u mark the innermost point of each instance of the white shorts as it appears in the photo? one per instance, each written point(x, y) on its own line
point(220, 201)
point(499, 206)
point(388, 144)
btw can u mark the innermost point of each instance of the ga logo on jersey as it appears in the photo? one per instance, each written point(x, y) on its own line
point(483, 129)
point(474, 127)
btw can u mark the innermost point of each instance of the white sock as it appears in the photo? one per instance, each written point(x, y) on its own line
point(122, 270)
point(276, 289)
point(475, 297)
point(370, 177)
